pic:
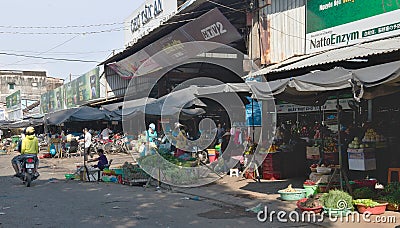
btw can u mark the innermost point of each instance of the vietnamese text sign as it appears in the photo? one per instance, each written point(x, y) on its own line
point(338, 23)
point(212, 26)
point(147, 17)
point(13, 101)
point(329, 105)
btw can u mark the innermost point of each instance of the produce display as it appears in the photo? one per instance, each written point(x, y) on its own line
point(371, 136)
point(133, 172)
point(289, 189)
point(290, 193)
point(391, 195)
point(330, 145)
point(370, 206)
point(356, 144)
point(336, 199)
point(363, 193)
point(366, 202)
point(311, 202)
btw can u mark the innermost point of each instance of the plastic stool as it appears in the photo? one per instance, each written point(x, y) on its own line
point(234, 172)
point(390, 170)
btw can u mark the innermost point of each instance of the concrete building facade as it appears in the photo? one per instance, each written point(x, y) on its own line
point(31, 84)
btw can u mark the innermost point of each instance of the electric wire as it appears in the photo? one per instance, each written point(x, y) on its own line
point(50, 58)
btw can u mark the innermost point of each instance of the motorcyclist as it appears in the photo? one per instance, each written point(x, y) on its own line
point(30, 145)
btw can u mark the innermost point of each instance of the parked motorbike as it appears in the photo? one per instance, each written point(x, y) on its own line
point(28, 170)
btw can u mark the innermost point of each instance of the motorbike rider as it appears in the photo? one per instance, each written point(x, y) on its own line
point(30, 145)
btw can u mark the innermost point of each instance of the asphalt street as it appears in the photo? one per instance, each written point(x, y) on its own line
point(52, 201)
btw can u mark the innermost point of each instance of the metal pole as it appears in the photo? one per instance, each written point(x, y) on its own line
point(339, 140)
point(252, 116)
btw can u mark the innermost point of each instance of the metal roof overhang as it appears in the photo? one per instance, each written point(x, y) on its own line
point(193, 9)
point(355, 53)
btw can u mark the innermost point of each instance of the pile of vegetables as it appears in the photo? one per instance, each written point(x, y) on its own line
point(289, 189)
point(364, 193)
point(311, 202)
point(336, 199)
point(172, 174)
point(132, 172)
point(391, 194)
point(366, 202)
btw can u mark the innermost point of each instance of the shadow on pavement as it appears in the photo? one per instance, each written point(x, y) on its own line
point(272, 187)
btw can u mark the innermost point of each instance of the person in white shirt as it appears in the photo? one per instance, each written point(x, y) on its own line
point(105, 134)
point(88, 143)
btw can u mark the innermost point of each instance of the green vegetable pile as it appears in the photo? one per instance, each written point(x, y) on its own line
point(133, 172)
point(366, 202)
point(157, 166)
point(392, 193)
point(364, 193)
point(336, 199)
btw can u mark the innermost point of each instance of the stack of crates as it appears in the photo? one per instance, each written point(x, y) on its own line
point(271, 167)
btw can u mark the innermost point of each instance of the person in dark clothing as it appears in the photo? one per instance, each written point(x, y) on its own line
point(102, 161)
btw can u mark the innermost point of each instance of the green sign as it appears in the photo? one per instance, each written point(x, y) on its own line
point(88, 86)
point(13, 101)
point(44, 103)
point(72, 94)
point(337, 23)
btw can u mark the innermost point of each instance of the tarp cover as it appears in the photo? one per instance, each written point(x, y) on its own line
point(78, 114)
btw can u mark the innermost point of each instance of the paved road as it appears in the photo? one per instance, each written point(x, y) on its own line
point(61, 203)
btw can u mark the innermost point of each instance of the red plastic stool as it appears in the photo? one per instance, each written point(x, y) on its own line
point(390, 170)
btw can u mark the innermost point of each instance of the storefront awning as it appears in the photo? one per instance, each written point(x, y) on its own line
point(79, 114)
point(354, 52)
point(128, 104)
point(370, 79)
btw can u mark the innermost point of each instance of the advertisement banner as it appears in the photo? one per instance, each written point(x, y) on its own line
point(338, 23)
point(88, 86)
point(44, 103)
point(13, 101)
point(212, 26)
point(58, 95)
point(71, 94)
point(147, 17)
point(253, 112)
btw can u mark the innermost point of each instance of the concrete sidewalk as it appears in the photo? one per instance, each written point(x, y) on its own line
point(247, 193)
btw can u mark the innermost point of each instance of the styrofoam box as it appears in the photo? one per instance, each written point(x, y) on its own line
point(362, 164)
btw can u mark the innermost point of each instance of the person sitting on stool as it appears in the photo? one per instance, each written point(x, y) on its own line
point(102, 161)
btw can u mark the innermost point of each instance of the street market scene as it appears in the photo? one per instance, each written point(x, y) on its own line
point(276, 113)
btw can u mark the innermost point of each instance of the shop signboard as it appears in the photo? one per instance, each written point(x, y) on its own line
point(58, 95)
point(338, 23)
point(71, 94)
point(150, 15)
point(13, 101)
point(44, 103)
point(88, 86)
point(52, 100)
point(329, 105)
point(212, 26)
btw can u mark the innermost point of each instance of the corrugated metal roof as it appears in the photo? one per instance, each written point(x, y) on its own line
point(336, 55)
